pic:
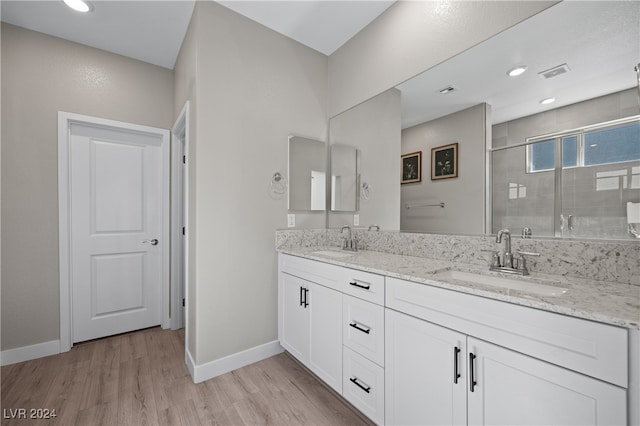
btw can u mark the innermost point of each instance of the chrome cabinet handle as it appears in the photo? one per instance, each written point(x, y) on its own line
point(153, 242)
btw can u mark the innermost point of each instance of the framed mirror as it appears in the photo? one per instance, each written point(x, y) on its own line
point(344, 178)
point(307, 174)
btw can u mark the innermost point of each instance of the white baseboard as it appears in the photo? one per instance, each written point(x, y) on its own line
point(191, 365)
point(200, 373)
point(27, 353)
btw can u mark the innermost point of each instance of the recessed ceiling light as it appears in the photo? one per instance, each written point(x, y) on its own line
point(78, 5)
point(514, 72)
point(548, 101)
point(447, 89)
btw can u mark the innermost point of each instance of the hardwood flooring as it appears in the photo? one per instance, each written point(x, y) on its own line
point(140, 378)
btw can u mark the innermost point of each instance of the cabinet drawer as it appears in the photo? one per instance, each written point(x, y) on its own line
point(363, 385)
point(363, 328)
point(363, 285)
point(591, 348)
point(317, 272)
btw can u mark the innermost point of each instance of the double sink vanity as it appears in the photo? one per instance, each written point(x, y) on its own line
point(414, 340)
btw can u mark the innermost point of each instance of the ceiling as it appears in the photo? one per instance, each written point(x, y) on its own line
point(153, 31)
point(598, 40)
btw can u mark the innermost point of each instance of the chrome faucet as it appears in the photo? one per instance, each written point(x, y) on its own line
point(349, 243)
point(508, 263)
point(507, 257)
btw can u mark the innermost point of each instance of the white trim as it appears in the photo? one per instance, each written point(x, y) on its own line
point(179, 208)
point(634, 378)
point(191, 364)
point(27, 353)
point(200, 373)
point(64, 127)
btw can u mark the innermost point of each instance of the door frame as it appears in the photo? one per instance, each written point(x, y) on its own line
point(179, 217)
point(65, 119)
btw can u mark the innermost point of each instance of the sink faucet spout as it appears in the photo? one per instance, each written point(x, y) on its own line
point(349, 242)
point(507, 257)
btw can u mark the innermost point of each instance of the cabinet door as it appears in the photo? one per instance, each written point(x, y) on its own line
point(294, 322)
point(512, 388)
point(325, 334)
point(425, 374)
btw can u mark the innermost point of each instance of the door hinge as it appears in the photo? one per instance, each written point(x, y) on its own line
point(183, 302)
point(184, 159)
point(183, 230)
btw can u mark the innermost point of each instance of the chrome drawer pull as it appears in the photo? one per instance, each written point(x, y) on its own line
point(357, 327)
point(366, 287)
point(365, 388)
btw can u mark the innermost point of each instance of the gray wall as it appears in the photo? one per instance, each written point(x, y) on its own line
point(254, 88)
point(42, 75)
point(464, 195)
point(411, 37)
point(373, 127)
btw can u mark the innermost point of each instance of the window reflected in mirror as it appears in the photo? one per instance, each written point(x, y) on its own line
point(583, 183)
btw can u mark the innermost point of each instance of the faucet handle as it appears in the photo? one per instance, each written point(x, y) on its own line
point(527, 253)
point(495, 258)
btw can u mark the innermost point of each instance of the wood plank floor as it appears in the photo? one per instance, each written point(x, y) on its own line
point(140, 378)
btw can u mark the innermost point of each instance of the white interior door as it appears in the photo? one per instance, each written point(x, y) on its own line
point(116, 229)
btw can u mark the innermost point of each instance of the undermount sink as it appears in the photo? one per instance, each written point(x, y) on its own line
point(333, 253)
point(501, 282)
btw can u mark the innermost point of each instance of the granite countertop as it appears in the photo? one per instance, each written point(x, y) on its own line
point(607, 302)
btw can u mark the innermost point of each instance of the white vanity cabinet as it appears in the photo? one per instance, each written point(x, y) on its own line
point(435, 375)
point(310, 326)
point(425, 373)
point(512, 388)
point(332, 320)
point(408, 353)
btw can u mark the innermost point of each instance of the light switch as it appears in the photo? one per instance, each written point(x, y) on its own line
point(356, 219)
point(291, 220)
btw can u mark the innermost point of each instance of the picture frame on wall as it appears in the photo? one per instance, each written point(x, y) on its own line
point(444, 162)
point(411, 167)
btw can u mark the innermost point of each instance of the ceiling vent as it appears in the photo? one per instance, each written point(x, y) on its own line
point(554, 72)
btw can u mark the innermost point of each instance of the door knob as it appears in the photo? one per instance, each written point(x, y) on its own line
point(153, 242)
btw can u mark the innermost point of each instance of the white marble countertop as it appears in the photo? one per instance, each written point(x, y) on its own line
point(607, 302)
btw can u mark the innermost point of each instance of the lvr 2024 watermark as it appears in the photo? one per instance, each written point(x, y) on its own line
point(29, 413)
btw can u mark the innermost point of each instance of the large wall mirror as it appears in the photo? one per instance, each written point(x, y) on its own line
point(583, 55)
point(307, 174)
point(344, 178)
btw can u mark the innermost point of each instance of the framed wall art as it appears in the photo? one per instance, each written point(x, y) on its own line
point(444, 162)
point(411, 167)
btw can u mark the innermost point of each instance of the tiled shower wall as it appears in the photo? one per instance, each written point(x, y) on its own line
point(592, 195)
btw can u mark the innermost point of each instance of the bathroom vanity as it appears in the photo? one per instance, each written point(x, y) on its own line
point(410, 340)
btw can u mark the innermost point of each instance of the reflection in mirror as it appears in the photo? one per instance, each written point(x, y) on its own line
point(307, 174)
point(580, 183)
point(373, 128)
point(574, 52)
point(344, 178)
